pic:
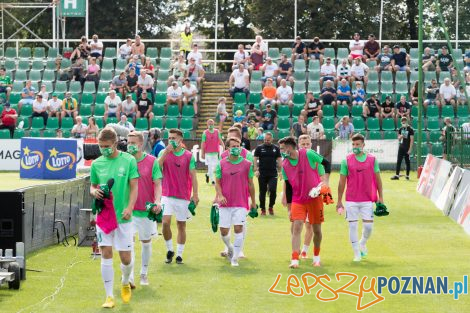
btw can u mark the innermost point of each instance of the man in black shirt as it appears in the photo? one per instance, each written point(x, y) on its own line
point(144, 106)
point(371, 107)
point(445, 61)
point(269, 158)
point(406, 138)
point(400, 60)
point(316, 49)
point(388, 108)
point(299, 51)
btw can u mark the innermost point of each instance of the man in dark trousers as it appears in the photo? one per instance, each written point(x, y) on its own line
point(406, 138)
point(267, 163)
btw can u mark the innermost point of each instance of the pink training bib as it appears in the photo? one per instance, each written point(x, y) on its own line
point(146, 185)
point(361, 182)
point(176, 180)
point(211, 144)
point(302, 177)
point(235, 183)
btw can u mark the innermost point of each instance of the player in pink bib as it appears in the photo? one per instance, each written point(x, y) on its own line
point(360, 175)
point(234, 185)
point(179, 178)
point(150, 190)
point(211, 140)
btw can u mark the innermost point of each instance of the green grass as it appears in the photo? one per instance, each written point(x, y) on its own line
point(416, 239)
point(11, 180)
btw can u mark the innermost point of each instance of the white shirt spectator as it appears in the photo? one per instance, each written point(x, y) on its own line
point(125, 51)
point(54, 105)
point(221, 108)
point(315, 130)
point(127, 125)
point(127, 106)
point(99, 47)
point(343, 71)
point(197, 56)
point(263, 46)
point(188, 90)
point(80, 129)
point(113, 104)
point(360, 69)
point(354, 43)
point(240, 78)
point(39, 105)
point(466, 130)
point(145, 82)
point(448, 92)
point(284, 92)
point(174, 93)
point(238, 56)
point(270, 69)
point(328, 70)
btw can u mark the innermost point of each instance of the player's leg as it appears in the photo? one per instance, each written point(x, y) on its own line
point(272, 187)
point(308, 237)
point(147, 230)
point(408, 165)
point(211, 165)
point(123, 243)
point(166, 228)
point(367, 214)
point(298, 213)
point(399, 159)
point(263, 188)
point(105, 242)
point(352, 214)
point(181, 217)
point(224, 224)
point(316, 218)
point(238, 220)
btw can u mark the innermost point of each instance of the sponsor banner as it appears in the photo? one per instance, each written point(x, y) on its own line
point(10, 155)
point(433, 177)
point(386, 151)
point(446, 197)
point(47, 158)
point(461, 197)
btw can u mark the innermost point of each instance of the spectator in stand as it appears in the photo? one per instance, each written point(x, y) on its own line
point(149, 68)
point(269, 118)
point(388, 108)
point(371, 107)
point(371, 49)
point(174, 95)
point(53, 106)
point(429, 60)
point(132, 80)
point(179, 68)
point(313, 106)
point(403, 109)
point(466, 69)
point(82, 51)
point(400, 60)
point(343, 71)
point(239, 81)
point(345, 128)
point(239, 118)
point(186, 40)
point(384, 60)
point(285, 70)
point(252, 131)
point(444, 61)
point(328, 94)
point(316, 49)
point(93, 72)
point(27, 95)
point(269, 94)
point(78, 71)
point(145, 82)
point(40, 108)
point(119, 83)
point(190, 95)
point(79, 129)
point(454, 78)
point(344, 93)
point(96, 48)
point(145, 107)
point(466, 130)
point(194, 71)
point(92, 129)
point(69, 106)
point(315, 129)
point(195, 54)
point(8, 118)
point(299, 50)
point(432, 94)
point(112, 105)
point(43, 92)
point(359, 72)
point(461, 98)
point(447, 137)
point(5, 83)
point(222, 114)
point(257, 56)
point(129, 108)
point(284, 94)
point(125, 123)
point(299, 128)
point(447, 94)
point(241, 56)
point(260, 135)
point(270, 70)
point(253, 114)
point(356, 47)
point(138, 49)
point(414, 93)
point(358, 94)
point(134, 63)
point(328, 72)
point(125, 50)
point(406, 138)
point(262, 45)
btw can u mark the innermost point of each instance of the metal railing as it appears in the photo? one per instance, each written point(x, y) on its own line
point(457, 148)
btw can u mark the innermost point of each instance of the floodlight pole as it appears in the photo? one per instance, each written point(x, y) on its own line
point(420, 84)
point(86, 19)
point(295, 18)
point(381, 20)
point(136, 17)
point(456, 24)
point(216, 34)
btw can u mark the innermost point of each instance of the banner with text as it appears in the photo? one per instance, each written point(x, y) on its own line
point(385, 151)
point(10, 155)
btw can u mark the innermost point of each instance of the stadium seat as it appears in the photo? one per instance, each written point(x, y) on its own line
point(314, 65)
point(75, 87)
point(388, 124)
point(390, 134)
point(342, 110)
point(386, 76)
point(49, 133)
point(239, 98)
point(89, 87)
point(156, 122)
point(299, 65)
point(283, 123)
point(385, 87)
point(152, 52)
point(26, 110)
point(171, 122)
point(35, 133)
point(428, 76)
point(300, 77)
point(37, 123)
point(111, 120)
point(330, 53)
point(37, 65)
point(256, 87)
point(296, 109)
point(104, 85)
point(163, 75)
point(50, 65)
point(187, 123)
point(65, 63)
point(187, 134)
point(442, 76)
point(314, 77)
point(463, 111)
point(160, 98)
point(39, 53)
point(432, 111)
point(161, 87)
point(298, 99)
point(414, 111)
point(299, 87)
point(166, 53)
point(373, 88)
point(414, 53)
point(158, 110)
point(87, 99)
point(52, 53)
point(330, 134)
point(106, 76)
point(25, 53)
point(4, 134)
point(141, 124)
point(165, 64)
point(328, 111)
point(434, 136)
point(10, 53)
point(373, 76)
point(287, 51)
point(437, 149)
point(281, 133)
point(187, 111)
point(237, 107)
point(358, 123)
point(255, 98)
point(375, 135)
point(448, 111)
point(19, 133)
point(107, 64)
point(256, 75)
point(35, 76)
point(373, 124)
point(356, 110)
point(120, 65)
point(21, 76)
point(401, 87)
point(283, 111)
point(9, 65)
point(274, 54)
point(110, 53)
point(328, 123)
point(52, 123)
point(173, 111)
point(342, 53)
point(25, 121)
point(401, 77)
point(85, 109)
point(433, 124)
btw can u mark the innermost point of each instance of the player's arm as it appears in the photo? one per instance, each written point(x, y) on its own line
point(341, 187)
point(279, 166)
point(203, 140)
point(379, 187)
point(195, 197)
point(251, 186)
point(133, 183)
point(412, 139)
point(95, 190)
point(163, 154)
point(255, 165)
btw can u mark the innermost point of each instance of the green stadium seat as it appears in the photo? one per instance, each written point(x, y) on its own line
point(187, 111)
point(25, 121)
point(385, 87)
point(386, 76)
point(10, 53)
point(373, 124)
point(328, 122)
point(341, 110)
point(85, 109)
point(4, 134)
point(163, 75)
point(401, 77)
point(99, 109)
point(401, 87)
point(358, 123)
point(255, 98)
point(104, 85)
point(237, 107)
point(76, 87)
point(256, 87)
point(111, 120)
point(107, 64)
point(330, 134)
point(390, 134)
point(50, 65)
point(156, 122)
point(298, 99)
point(434, 136)
point(152, 52)
point(21, 76)
point(299, 65)
point(165, 64)
point(314, 65)
point(35, 76)
point(256, 75)
point(159, 110)
point(437, 149)
point(442, 76)
point(162, 87)
point(296, 109)
point(432, 111)
point(37, 123)
point(375, 135)
point(160, 98)
point(330, 53)
point(87, 99)
point(328, 111)
point(39, 53)
point(283, 123)
point(52, 53)
point(299, 87)
point(414, 53)
point(110, 52)
point(171, 122)
point(314, 87)
point(373, 76)
point(65, 63)
point(314, 76)
point(342, 53)
point(283, 111)
point(10, 65)
point(142, 124)
point(356, 110)
point(448, 111)
point(166, 53)
point(300, 77)
point(37, 65)
point(60, 88)
point(414, 111)
point(26, 110)
point(173, 111)
point(187, 134)
point(49, 133)
point(463, 111)
point(89, 87)
point(25, 53)
point(187, 123)
point(18, 134)
point(287, 51)
point(52, 123)
point(373, 88)
point(388, 124)
point(274, 54)
point(106, 76)
point(35, 133)
point(428, 76)
point(433, 124)
point(281, 133)
point(239, 98)
point(120, 65)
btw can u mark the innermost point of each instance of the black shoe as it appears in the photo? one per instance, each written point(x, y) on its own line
point(407, 177)
point(169, 257)
point(179, 260)
point(396, 177)
point(207, 179)
point(213, 183)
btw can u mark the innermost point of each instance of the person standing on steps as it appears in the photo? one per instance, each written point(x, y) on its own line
point(211, 140)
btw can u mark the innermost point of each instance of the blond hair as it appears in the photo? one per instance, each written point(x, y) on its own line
point(107, 134)
point(136, 134)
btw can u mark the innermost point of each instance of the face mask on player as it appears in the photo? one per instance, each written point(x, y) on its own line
point(106, 152)
point(357, 150)
point(285, 155)
point(174, 143)
point(211, 127)
point(235, 151)
point(132, 149)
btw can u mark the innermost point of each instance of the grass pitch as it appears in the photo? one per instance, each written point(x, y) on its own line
point(415, 240)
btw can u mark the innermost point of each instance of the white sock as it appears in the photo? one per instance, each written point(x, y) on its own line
point(237, 245)
point(131, 276)
point(244, 235)
point(179, 249)
point(146, 254)
point(126, 272)
point(305, 248)
point(169, 244)
point(354, 237)
point(107, 273)
point(366, 232)
point(226, 240)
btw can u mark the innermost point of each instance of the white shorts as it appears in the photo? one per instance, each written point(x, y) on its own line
point(212, 159)
point(176, 207)
point(144, 227)
point(120, 238)
point(359, 210)
point(232, 216)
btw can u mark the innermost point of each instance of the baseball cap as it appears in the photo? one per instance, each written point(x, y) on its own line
point(396, 46)
point(7, 104)
point(54, 94)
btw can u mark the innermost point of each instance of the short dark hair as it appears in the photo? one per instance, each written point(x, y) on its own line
point(357, 137)
point(176, 131)
point(229, 139)
point(3, 69)
point(288, 141)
